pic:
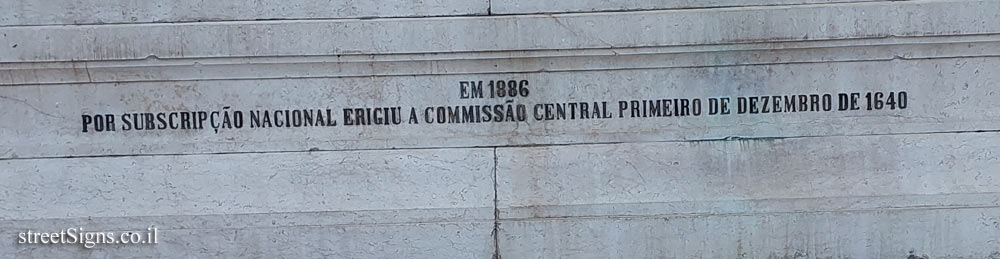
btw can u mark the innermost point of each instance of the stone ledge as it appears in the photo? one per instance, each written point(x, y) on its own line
point(759, 207)
point(499, 33)
point(933, 233)
point(189, 69)
point(75, 12)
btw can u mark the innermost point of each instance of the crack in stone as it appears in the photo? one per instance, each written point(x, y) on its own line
point(496, 208)
point(31, 106)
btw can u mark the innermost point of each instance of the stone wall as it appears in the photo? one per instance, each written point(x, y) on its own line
point(635, 129)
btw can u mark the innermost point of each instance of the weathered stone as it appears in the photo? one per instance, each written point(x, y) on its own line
point(708, 171)
point(411, 240)
point(555, 6)
point(233, 167)
point(505, 33)
point(246, 183)
point(796, 52)
point(57, 12)
point(930, 232)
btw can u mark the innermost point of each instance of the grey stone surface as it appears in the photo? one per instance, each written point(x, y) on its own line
point(56, 12)
point(709, 171)
point(927, 232)
point(500, 33)
point(763, 207)
point(415, 240)
point(889, 196)
point(795, 52)
point(920, 182)
point(375, 204)
point(556, 6)
point(246, 183)
point(61, 12)
point(422, 233)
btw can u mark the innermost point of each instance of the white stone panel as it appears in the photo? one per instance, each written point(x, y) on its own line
point(920, 232)
point(411, 240)
point(246, 183)
point(55, 12)
point(709, 171)
point(499, 33)
point(555, 6)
